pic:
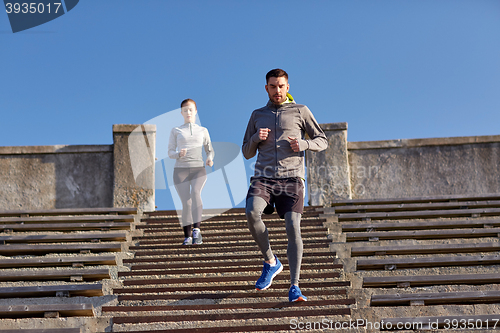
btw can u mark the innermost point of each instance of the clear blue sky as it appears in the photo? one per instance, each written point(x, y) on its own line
point(392, 69)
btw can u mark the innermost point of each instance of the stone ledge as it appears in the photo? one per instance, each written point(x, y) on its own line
point(334, 126)
point(412, 143)
point(123, 128)
point(57, 149)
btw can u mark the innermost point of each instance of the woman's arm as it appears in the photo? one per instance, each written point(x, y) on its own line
point(209, 150)
point(172, 145)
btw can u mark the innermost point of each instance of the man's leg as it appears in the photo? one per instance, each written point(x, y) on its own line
point(295, 247)
point(294, 252)
point(254, 207)
point(272, 266)
point(289, 206)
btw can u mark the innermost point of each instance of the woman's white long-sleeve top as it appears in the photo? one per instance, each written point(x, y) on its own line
point(193, 138)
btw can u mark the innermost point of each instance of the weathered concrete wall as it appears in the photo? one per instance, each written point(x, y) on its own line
point(402, 168)
point(122, 174)
point(423, 167)
point(46, 177)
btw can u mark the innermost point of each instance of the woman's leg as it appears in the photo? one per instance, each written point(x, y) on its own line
point(198, 180)
point(182, 185)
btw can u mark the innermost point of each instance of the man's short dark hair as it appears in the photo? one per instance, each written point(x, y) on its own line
point(277, 72)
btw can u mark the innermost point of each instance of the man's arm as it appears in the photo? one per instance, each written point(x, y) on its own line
point(252, 138)
point(318, 140)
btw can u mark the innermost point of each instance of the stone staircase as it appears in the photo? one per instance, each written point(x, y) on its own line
point(210, 287)
point(425, 263)
point(59, 266)
point(421, 263)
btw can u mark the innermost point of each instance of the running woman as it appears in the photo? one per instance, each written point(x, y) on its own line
point(185, 145)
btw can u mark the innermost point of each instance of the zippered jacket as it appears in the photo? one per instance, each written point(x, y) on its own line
point(193, 137)
point(276, 159)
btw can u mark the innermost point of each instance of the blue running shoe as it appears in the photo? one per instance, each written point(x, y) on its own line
point(294, 295)
point(268, 274)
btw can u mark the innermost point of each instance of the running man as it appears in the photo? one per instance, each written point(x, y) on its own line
point(277, 131)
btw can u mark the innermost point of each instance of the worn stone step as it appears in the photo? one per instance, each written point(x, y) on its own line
point(417, 206)
point(59, 238)
point(232, 316)
point(68, 211)
point(422, 224)
point(279, 249)
point(247, 288)
point(249, 250)
point(217, 248)
point(240, 268)
point(58, 261)
point(239, 222)
point(214, 212)
point(227, 306)
point(425, 262)
point(419, 199)
point(47, 310)
point(215, 279)
point(42, 330)
point(330, 323)
point(39, 249)
point(436, 298)
point(223, 239)
point(145, 294)
point(222, 233)
point(138, 265)
point(475, 212)
point(82, 274)
point(87, 290)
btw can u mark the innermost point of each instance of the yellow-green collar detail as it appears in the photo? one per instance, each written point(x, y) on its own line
point(289, 98)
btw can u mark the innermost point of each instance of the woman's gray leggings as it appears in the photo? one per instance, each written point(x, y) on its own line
point(189, 182)
point(254, 208)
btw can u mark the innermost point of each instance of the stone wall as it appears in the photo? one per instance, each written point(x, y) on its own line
point(134, 167)
point(402, 168)
point(328, 171)
point(122, 174)
point(46, 177)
